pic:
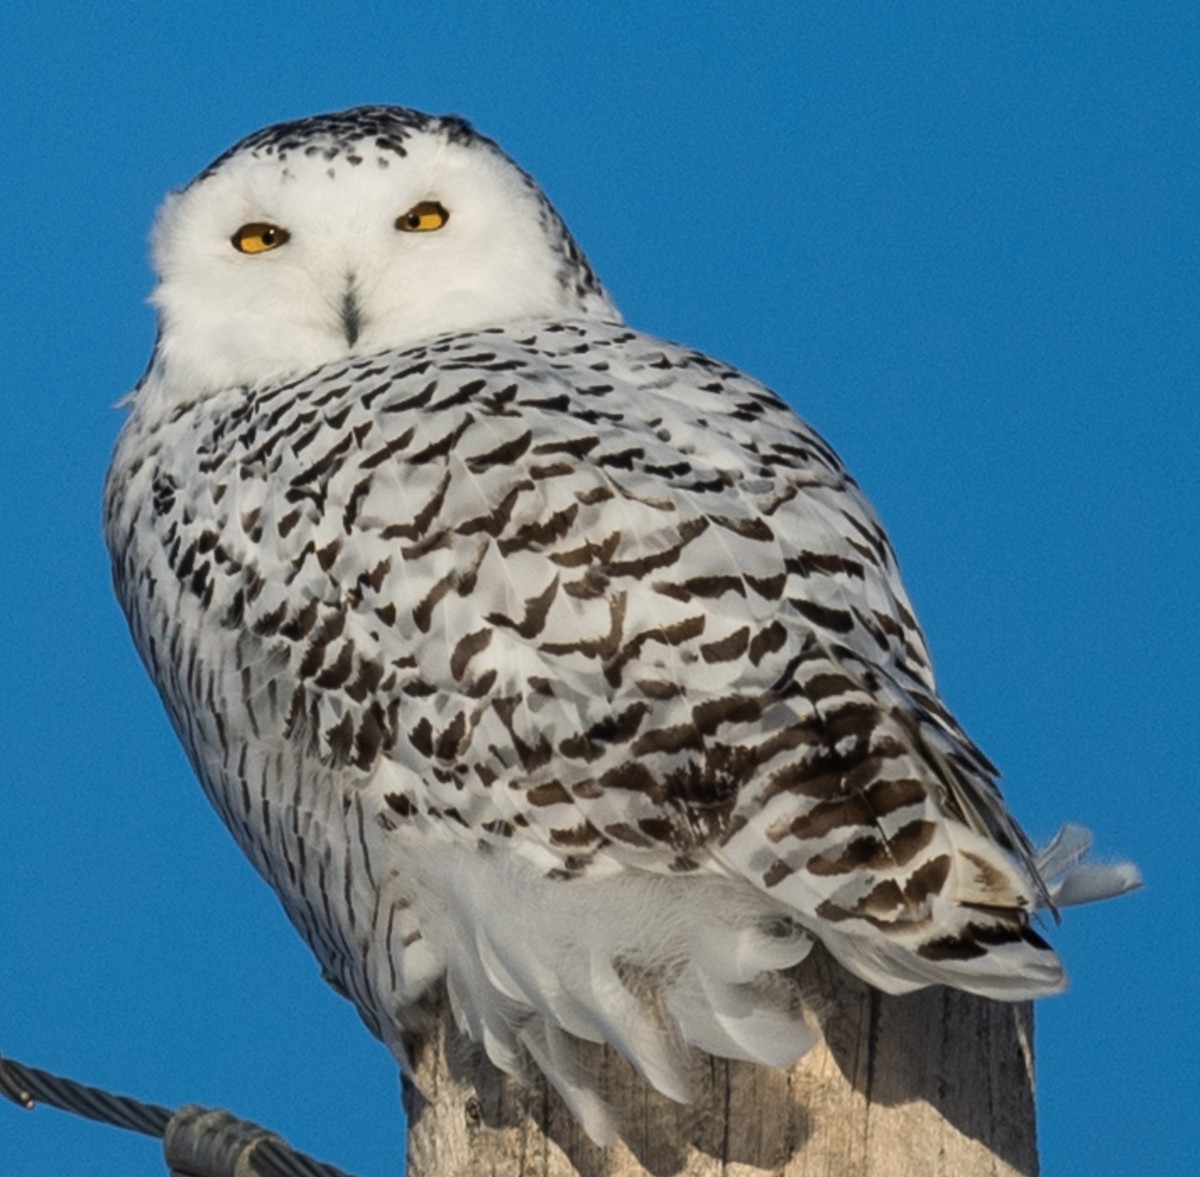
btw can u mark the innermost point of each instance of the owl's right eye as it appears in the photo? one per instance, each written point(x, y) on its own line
point(258, 237)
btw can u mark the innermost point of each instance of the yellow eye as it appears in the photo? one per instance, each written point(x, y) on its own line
point(423, 217)
point(258, 237)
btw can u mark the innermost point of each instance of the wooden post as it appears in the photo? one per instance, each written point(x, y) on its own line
point(934, 1084)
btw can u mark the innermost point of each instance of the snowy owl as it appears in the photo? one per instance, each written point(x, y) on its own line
point(529, 655)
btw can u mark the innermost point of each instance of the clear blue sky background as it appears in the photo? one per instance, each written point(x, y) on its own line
point(961, 238)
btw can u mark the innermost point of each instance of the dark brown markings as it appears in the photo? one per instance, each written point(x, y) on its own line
point(986, 875)
point(658, 829)
point(553, 470)
point(417, 401)
point(495, 521)
point(707, 587)
point(497, 404)
point(658, 688)
point(450, 741)
point(419, 688)
point(252, 524)
point(888, 625)
point(235, 612)
point(365, 681)
point(791, 451)
point(633, 777)
point(756, 529)
point(335, 418)
point(770, 588)
point(623, 832)
point(859, 805)
point(328, 631)
point(776, 873)
point(340, 738)
point(689, 530)
point(327, 556)
point(672, 471)
point(421, 736)
point(497, 366)
point(162, 495)
point(820, 563)
point(598, 494)
point(728, 648)
point(928, 879)
point(539, 534)
point(536, 609)
point(301, 622)
point(321, 469)
point(659, 504)
point(711, 714)
point(579, 747)
point(400, 804)
point(871, 853)
point(576, 447)
point(423, 518)
point(675, 634)
point(838, 620)
point(590, 552)
point(621, 460)
point(434, 542)
point(466, 648)
point(389, 450)
point(553, 404)
point(460, 581)
point(454, 815)
point(767, 641)
point(532, 757)
point(354, 502)
point(584, 834)
point(828, 686)
point(480, 686)
point(287, 522)
point(683, 737)
point(875, 539)
point(444, 446)
point(268, 623)
point(549, 793)
point(589, 587)
point(976, 938)
point(466, 392)
point(376, 576)
point(619, 728)
point(503, 455)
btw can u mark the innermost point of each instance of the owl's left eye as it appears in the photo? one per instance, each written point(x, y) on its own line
point(423, 217)
point(258, 237)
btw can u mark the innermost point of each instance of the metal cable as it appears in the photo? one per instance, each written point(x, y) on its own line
point(198, 1142)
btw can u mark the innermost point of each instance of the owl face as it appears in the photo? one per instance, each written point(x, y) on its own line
point(350, 234)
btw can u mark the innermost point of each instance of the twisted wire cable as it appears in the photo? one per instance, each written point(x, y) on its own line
point(197, 1142)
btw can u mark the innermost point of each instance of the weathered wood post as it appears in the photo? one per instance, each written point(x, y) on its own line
point(935, 1084)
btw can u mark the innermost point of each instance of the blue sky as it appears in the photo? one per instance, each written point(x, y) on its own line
point(960, 238)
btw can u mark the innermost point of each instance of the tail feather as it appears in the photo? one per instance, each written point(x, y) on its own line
point(1071, 881)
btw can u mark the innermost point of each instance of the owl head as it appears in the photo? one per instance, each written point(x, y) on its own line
point(352, 233)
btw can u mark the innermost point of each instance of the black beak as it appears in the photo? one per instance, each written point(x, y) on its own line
point(351, 316)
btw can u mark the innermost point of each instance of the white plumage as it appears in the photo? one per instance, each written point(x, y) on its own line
point(528, 653)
